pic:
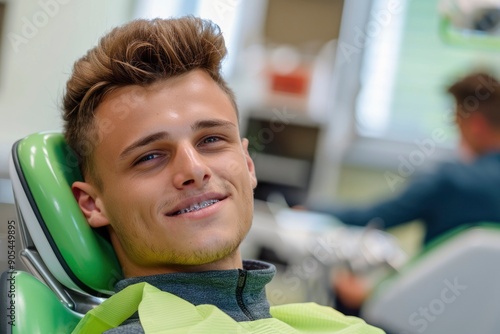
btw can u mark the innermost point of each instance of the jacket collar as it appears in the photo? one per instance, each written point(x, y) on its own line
point(240, 293)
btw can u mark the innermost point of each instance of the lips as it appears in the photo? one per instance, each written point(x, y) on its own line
point(194, 205)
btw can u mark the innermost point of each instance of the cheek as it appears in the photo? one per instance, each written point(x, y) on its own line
point(237, 170)
point(232, 165)
point(130, 202)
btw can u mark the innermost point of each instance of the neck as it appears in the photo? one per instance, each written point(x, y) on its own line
point(131, 269)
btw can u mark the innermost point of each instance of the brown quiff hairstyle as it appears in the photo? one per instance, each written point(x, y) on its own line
point(478, 92)
point(141, 52)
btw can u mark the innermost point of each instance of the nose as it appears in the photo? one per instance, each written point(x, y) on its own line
point(190, 169)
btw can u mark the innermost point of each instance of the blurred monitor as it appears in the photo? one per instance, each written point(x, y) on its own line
point(283, 152)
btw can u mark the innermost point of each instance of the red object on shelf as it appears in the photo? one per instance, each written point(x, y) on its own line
point(295, 82)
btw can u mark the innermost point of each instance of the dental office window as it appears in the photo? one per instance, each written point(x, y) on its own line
point(406, 69)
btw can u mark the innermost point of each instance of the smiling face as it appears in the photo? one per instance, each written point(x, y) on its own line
point(177, 180)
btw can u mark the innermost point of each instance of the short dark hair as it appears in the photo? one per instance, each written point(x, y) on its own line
point(478, 92)
point(141, 52)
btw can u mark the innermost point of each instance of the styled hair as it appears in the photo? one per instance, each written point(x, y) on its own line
point(141, 52)
point(478, 92)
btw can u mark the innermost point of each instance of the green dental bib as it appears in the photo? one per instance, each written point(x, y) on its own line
point(164, 313)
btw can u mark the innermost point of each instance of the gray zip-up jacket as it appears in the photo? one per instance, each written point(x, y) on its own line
point(240, 293)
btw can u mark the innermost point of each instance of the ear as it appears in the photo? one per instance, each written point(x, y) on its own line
point(480, 131)
point(90, 204)
point(250, 164)
point(479, 125)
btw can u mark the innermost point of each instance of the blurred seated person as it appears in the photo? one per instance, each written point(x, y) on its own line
point(454, 194)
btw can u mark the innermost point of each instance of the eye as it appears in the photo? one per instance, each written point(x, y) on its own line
point(211, 139)
point(147, 157)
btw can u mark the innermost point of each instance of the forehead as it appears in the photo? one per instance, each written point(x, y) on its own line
point(194, 94)
point(171, 105)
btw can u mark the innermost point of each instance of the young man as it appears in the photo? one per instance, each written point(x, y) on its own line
point(156, 129)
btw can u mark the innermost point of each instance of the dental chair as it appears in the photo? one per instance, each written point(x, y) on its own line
point(451, 287)
point(72, 268)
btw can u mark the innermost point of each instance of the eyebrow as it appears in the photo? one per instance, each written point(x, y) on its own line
point(143, 142)
point(211, 123)
point(199, 125)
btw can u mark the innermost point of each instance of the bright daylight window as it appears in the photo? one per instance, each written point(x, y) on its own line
point(406, 70)
point(224, 13)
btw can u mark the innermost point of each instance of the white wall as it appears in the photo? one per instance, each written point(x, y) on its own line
point(41, 40)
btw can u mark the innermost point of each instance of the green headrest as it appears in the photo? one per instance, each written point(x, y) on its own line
point(34, 307)
point(49, 168)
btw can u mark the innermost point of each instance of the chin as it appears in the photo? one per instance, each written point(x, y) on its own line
point(214, 253)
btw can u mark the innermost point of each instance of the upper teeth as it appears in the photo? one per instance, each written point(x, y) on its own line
point(196, 206)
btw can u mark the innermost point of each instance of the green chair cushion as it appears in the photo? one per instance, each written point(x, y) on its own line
point(33, 307)
point(50, 167)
